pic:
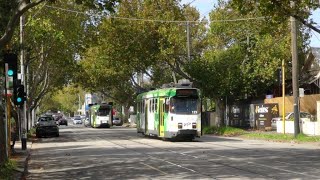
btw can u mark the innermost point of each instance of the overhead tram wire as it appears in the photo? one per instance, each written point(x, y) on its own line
point(36, 13)
point(315, 34)
point(158, 20)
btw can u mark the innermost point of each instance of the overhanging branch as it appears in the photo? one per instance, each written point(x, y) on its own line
point(23, 6)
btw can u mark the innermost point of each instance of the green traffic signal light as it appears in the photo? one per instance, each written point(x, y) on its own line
point(19, 99)
point(10, 72)
point(11, 60)
point(19, 95)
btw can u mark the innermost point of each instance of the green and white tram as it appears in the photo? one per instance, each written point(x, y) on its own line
point(170, 113)
point(100, 115)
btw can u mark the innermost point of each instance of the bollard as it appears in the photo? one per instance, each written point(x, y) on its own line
point(24, 141)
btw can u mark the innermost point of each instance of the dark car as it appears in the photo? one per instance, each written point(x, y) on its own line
point(117, 121)
point(62, 121)
point(46, 126)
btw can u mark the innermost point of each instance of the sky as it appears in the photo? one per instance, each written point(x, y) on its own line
point(205, 6)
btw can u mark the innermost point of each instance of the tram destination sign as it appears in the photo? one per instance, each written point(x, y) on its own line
point(186, 92)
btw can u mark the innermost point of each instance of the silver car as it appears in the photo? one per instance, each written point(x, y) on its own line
point(290, 116)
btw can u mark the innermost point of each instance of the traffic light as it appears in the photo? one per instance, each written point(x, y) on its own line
point(19, 95)
point(12, 61)
point(11, 67)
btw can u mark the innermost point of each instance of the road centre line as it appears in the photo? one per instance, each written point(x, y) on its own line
point(152, 157)
point(154, 168)
point(262, 165)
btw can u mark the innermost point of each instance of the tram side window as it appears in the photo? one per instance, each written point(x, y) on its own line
point(141, 107)
point(155, 105)
point(152, 105)
point(166, 103)
point(138, 107)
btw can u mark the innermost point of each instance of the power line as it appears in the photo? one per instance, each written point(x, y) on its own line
point(36, 13)
point(315, 35)
point(190, 3)
point(157, 20)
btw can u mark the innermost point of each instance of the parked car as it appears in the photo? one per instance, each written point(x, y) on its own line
point(86, 122)
point(62, 121)
point(117, 121)
point(290, 116)
point(46, 126)
point(77, 120)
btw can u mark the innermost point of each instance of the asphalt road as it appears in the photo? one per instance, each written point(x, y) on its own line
point(119, 153)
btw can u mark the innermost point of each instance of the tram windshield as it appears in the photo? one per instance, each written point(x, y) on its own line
point(103, 112)
point(184, 105)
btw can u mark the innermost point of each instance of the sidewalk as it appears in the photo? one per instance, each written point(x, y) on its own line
point(21, 158)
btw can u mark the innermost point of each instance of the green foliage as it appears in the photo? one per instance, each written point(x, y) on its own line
point(242, 57)
point(278, 11)
point(223, 131)
point(7, 169)
point(126, 48)
point(209, 129)
point(65, 100)
point(31, 132)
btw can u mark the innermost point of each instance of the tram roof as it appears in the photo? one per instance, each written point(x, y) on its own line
point(97, 106)
point(162, 92)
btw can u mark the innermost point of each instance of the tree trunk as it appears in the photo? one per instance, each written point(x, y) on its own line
point(3, 150)
point(220, 110)
point(126, 113)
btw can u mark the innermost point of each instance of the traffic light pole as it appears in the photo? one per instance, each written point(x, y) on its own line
point(23, 116)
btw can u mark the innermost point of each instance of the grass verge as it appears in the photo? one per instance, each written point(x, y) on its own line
point(263, 135)
point(301, 138)
point(223, 131)
point(6, 170)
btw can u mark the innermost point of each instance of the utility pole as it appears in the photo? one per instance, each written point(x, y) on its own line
point(188, 41)
point(23, 82)
point(283, 96)
point(295, 73)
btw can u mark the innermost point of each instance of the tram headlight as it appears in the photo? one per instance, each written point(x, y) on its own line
point(179, 125)
point(194, 125)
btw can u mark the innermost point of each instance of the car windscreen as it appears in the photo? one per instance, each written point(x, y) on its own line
point(45, 119)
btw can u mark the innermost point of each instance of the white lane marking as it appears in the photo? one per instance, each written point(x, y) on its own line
point(235, 159)
point(152, 157)
point(294, 172)
point(271, 167)
point(154, 168)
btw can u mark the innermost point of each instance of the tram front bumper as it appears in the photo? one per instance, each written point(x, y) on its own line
point(187, 132)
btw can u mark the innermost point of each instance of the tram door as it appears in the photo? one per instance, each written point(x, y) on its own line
point(161, 118)
point(146, 109)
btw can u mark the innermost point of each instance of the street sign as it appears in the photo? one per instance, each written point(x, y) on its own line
point(301, 92)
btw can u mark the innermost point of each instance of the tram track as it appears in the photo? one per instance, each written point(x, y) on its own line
point(129, 138)
point(232, 159)
point(153, 157)
point(238, 157)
